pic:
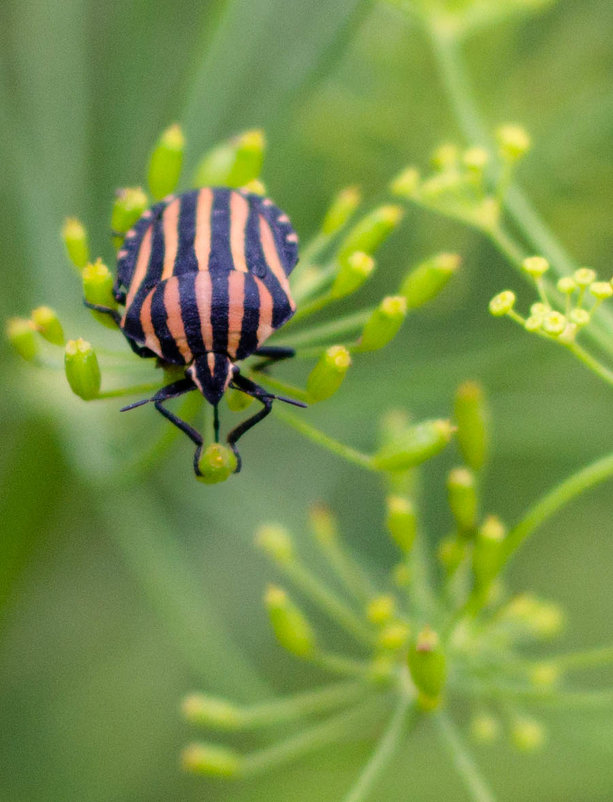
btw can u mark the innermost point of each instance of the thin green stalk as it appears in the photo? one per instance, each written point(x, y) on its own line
point(580, 660)
point(278, 385)
point(137, 389)
point(339, 664)
point(399, 724)
point(552, 697)
point(355, 580)
point(309, 703)
point(329, 443)
point(464, 762)
point(591, 362)
point(333, 329)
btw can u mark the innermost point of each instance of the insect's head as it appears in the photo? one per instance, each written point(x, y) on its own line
point(211, 373)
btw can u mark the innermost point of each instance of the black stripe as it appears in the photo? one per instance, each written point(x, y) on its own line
point(219, 310)
point(221, 255)
point(189, 314)
point(186, 257)
point(159, 317)
point(288, 251)
point(251, 319)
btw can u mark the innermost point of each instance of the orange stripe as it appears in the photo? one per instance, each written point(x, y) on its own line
point(204, 294)
point(151, 340)
point(202, 242)
point(265, 324)
point(172, 302)
point(170, 223)
point(210, 360)
point(140, 271)
point(239, 211)
point(272, 257)
point(236, 310)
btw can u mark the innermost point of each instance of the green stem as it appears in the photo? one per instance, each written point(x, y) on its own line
point(339, 664)
point(309, 703)
point(463, 760)
point(137, 389)
point(385, 750)
point(313, 306)
point(550, 697)
point(350, 574)
point(591, 362)
point(580, 660)
point(277, 384)
point(350, 324)
point(330, 444)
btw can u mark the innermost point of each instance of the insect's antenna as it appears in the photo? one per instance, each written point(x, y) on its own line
point(136, 404)
point(289, 401)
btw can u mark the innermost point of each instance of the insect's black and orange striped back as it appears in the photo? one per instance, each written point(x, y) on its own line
point(207, 271)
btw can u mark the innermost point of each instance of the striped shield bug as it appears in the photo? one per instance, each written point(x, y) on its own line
point(203, 279)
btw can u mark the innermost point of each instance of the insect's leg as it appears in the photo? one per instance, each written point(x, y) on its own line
point(260, 394)
point(216, 422)
point(165, 394)
point(140, 350)
point(273, 353)
point(106, 310)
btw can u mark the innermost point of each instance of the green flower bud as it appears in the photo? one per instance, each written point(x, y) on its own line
point(463, 498)
point(451, 552)
point(370, 231)
point(472, 418)
point(425, 281)
point(352, 274)
point(393, 636)
point(75, 240)
point(601, 290)
point(401, 522)
point(128, 206)
point(502, 303)
point(580, 317)
point(48, 325)
point(527, 734)
point(401, 575)
point(341, 209)
point(539, 309)
point(445, 157)
point(568, 335)
point(475, 159)
point(382, 669)
point(289, 623)
point(406, 183)
point(211, 760)
point(255, 186)
point(535, 266)
point(566, 285)
point(232, 163)
point(276, 542)
point(21, 335)
point(584, 276)
point(209, 711)
point(98, 289)
point(533, 323)
point(165, 162)
point(328, 374)
point(82, 369)
point(485, 728)
point(384, 323)
point(488, 552)
point(414, 446)
point(544, 675)
point(381, 609)
point(542, 619)
point(554, 323)
point(513, 142)
point(236, 400)
point(216, 464)
point(323, 523)
point(428, 668)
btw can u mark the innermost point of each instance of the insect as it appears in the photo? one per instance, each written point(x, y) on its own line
point(203, 278)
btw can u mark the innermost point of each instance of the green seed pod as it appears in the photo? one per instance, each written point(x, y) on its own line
point(384, 323)
point(256, 187)
point(233, 163)
point(209, 711)
point(328, 374)
point(393, 636)
point(451, 551)
point(216, 464)
point(414, 446)
point(472, 418)
point(211, 760)
point(165, 162)
point(513, 142)
point(401, 522)
point(381, 609)
point(21, 335)
point(370, 231)
point(502, 303)
point(463, 499)
point(289, 623)
point(75, 240)
point(82, 369)
point(527, 734)
point(323, 524)
point(488, 552)
point(406, 183)
point(276, 542)
point(352, 274)
point(424, 282)
point(236, 400)
point(98, 289)
point(48, 325)
point(129, 204)
point(428, 668)
point(341, 209)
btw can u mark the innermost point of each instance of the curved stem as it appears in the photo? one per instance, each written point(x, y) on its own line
point(591, 362)
point(463, 760)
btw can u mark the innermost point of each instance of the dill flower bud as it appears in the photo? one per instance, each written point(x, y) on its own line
point(384, 323)
point(472, 418)
point(425, 282)
point(21, 335)
point(445, 157)
point(406, 183)
point(393, 636)
point(276, 542)
point(216, 464)
point(342, 207)
point(527, 734)
point(324, 524)
point(554, 323)
point(566, 285)
point(601, 290)
point(328, 374)
point(165, 162)
point(580, 317)
point(370, 231)
point(414, 445)
point(535, 266)
point(75, 240)
point(428, 668)
point(128, 206)
point(450, 552)
point(211, 760)
point(98, 289)
point(488, 552)
point(210, 711)
point(290, 625)
point(484, 728)
point(82, 369)
point(584, 276)
point(475, 159)
point(232, 163)
point(502, 303)
point(48, 325)
point(381, 609)
point(463, 499)
point(401, 522)
point(353, 272)
point(513, 142)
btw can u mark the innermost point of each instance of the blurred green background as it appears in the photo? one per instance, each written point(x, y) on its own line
point(117, 601)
